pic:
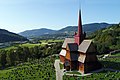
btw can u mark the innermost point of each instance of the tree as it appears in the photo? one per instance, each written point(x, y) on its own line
point(11, 57)
point(3, 60)
point(20, 54)
point(26, 53)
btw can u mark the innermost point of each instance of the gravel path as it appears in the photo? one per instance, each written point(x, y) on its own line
point(59, 73)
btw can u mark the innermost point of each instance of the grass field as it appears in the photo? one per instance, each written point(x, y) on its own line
point(104, 75)
point(8, 48)
point(50, 40)
point(29, 45)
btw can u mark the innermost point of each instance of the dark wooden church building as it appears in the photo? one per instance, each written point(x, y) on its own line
point(79, 53)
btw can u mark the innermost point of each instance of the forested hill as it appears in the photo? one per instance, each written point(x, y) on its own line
point(88, 28)
point(107, 39)
point(37, 32)
point(68, 31)
point(6, 36)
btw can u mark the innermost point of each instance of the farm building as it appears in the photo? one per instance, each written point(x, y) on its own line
point(78, 53)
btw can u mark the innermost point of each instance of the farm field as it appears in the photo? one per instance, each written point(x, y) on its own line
point(42, 70)
point(111, 62)
point(29, 45)
point(50, 40)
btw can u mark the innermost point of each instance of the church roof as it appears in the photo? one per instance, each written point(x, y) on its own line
point(72, 46)
point(62, 52)
point(82, 58)
point(66, 41)
point(84, 46)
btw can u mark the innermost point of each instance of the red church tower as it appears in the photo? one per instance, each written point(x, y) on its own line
point(79, 36)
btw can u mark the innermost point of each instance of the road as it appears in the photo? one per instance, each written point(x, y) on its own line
point(59, 72)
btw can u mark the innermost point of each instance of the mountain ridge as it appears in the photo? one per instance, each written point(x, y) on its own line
point(88, 28)
point(6, 36)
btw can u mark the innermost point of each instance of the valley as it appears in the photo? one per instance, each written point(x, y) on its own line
point(35, 60)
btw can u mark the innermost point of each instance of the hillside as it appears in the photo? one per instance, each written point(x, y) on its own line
point(6, 36)
point(37, 32)
point(69, 30)
point(88, 28)
point(107, 39)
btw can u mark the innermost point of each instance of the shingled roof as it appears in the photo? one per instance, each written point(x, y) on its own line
point(66, 41)
point(72, 46)
point(82, 58)
point(62, 52)
point(84, 46)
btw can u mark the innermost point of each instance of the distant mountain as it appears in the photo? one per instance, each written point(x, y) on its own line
point(69, 30)
point(88, 28)
point(6, 36)
point(37, 32)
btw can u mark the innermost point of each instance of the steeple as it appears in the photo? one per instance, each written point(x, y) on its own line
point(79, 36)
point(79, 24)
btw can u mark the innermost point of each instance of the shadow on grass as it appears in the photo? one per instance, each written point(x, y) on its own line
point(111, 65)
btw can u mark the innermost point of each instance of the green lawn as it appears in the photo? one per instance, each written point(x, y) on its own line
point(29, 45)
point(8, 48)
point(61, 66)
point(50, 40)
point(104, 75)
point(116, 54)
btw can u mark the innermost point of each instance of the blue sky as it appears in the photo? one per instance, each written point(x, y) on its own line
point(21, 15)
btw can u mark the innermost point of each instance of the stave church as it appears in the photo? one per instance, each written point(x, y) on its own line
point(78, 53)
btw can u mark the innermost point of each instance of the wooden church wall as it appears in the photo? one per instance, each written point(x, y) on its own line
point(81, 67)
point(91, 58)
point(91, 49)
point(74, 65)
point(68, 55)
point(62, 59)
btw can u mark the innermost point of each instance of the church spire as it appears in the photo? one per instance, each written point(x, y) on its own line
point(79, 24)
point(79, 36)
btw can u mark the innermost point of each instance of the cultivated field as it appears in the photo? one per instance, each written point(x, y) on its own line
point(42, 70)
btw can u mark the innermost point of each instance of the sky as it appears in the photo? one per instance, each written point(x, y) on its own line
point(20, 15)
